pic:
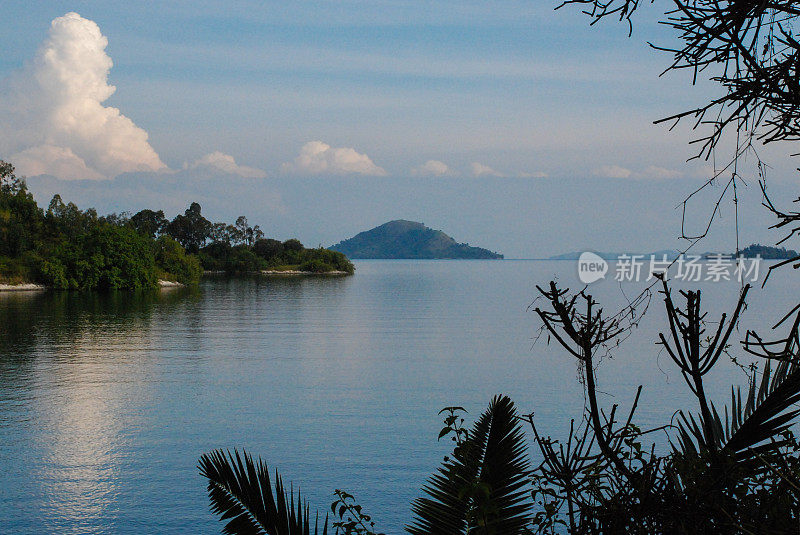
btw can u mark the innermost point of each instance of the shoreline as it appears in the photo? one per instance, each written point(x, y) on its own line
point(169, 284)
point(296, 272)
point(165, 284)
point(31, 287)
point(23, 287)
point(279, 272)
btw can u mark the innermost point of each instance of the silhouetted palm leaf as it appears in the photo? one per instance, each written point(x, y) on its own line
point(753, 426)
point(480, 489)
point(766, 413)
point(241, 490)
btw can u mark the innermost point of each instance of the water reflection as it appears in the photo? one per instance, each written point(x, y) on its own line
point(31, 318)
point(62, 355)
point(80, 462)
point(106, 401)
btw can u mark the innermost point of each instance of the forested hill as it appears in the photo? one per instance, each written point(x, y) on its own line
point(409, 239)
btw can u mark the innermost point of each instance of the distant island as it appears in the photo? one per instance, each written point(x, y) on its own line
point(768, 252)
point(401, 239)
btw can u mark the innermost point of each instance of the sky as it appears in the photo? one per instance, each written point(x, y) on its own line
point(507, 124)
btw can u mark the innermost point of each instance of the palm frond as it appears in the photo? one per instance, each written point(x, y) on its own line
point(751, 424)
point(480, 489)
point(766, 413)
point(755, 426)
point(240, 490)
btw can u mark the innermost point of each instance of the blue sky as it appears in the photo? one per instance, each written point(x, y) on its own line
point(508, 94)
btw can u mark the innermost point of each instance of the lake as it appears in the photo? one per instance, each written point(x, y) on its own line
point(107, 401)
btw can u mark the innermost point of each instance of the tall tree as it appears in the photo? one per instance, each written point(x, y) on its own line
point(20, 217)
point(190, 229)
point(149, 222)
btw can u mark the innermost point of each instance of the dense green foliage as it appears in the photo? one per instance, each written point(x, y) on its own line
point(174, 263)
point(240, 248)
point(100, 256)
point(272, 256)
point(68, 248)
point(20, 217)
point(408, 239)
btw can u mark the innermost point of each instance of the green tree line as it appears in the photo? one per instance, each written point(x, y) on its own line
point(64, 247)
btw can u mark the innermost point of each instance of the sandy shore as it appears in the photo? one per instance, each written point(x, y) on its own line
point(295, 272)
point(27, 287)
point(169, 284)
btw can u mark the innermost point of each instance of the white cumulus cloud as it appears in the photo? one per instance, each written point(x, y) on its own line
point(318, 158)
point(432, 168)
point(224, 162)
point(478, 169)
point(52, 117)
point(51, 160)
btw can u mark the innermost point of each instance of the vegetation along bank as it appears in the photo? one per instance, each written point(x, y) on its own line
point(66, 248)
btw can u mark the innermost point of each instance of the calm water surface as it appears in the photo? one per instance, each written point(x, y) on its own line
point(107, 401)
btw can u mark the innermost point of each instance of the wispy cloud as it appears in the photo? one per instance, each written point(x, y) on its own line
point(659, 173)
point(227, 164)
point(432, 168)
point(652, 172)
point(479, 169)
point(318, 158)
point(612, 171)
point(535, 174)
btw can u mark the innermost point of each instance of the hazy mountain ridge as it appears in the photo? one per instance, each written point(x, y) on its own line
point(402, 239)
point(671, 254)
point(765, 252)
